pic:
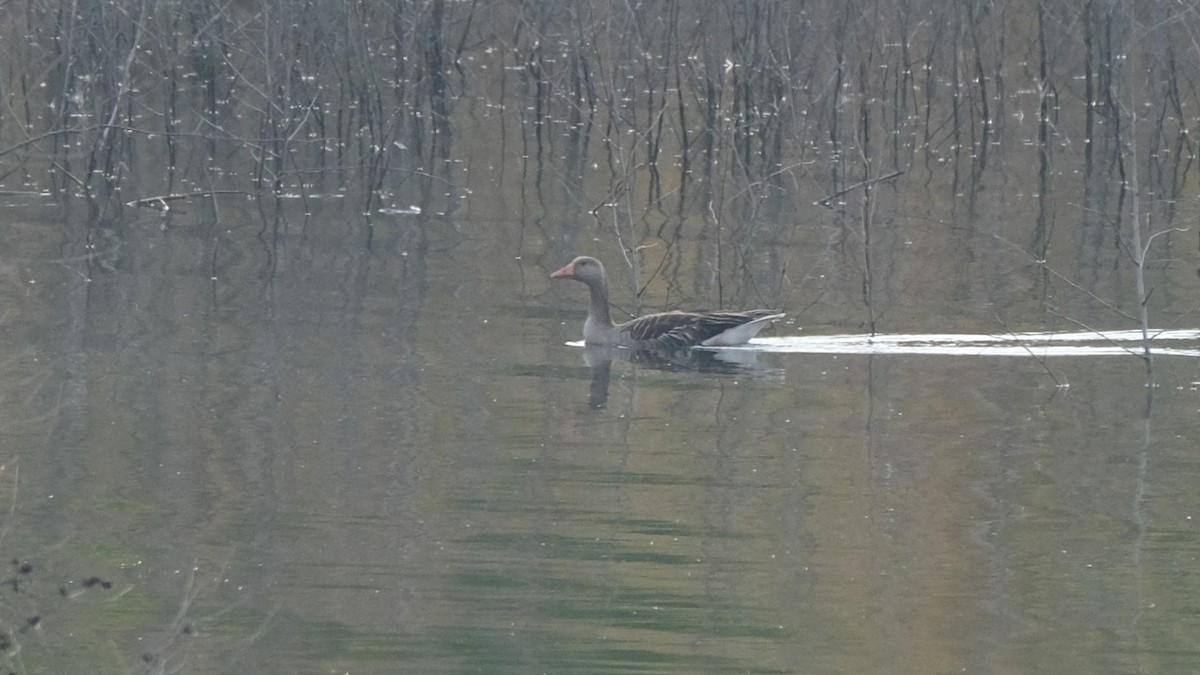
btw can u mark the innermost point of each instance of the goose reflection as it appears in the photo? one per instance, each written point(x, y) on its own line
point(599, 358)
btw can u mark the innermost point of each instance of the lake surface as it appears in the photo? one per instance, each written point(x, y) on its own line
point(285, 385)
point(323, 455)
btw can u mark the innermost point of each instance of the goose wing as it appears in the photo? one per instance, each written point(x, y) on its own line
point(677, 330)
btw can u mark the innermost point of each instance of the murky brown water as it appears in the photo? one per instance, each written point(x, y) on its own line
point(335, 426)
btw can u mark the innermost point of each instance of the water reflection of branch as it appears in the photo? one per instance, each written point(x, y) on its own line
point(12, 504)
point(171, 656)
point(1139, 500)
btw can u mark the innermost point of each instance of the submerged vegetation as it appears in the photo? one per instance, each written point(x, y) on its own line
point(762, 92)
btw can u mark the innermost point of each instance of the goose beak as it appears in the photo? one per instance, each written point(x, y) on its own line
point(567, 270)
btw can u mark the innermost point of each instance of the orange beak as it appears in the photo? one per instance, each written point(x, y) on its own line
point(567, 270)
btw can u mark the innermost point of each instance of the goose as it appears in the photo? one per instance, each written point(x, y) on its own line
point(665, 330)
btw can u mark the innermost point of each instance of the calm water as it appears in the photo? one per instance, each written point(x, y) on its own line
point(327, 419)
point(372, 451)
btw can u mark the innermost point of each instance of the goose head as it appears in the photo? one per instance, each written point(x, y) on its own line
point(585, 269)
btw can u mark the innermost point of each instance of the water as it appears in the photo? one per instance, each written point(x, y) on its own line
point(326, 412)
point(320, 456)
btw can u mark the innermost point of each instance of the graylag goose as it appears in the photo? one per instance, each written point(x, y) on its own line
point(666, 330)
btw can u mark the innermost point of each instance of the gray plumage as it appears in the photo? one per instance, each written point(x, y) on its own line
point(666, 330)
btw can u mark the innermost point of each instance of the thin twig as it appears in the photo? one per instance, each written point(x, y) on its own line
point(1070, 283)
point(163, 199)
point(825, 200)
point(1041, 361)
